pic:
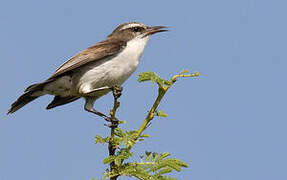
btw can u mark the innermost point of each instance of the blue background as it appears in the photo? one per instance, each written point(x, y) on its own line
point(228, 124)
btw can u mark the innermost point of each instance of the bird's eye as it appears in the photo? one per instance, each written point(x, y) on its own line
point(136, 29)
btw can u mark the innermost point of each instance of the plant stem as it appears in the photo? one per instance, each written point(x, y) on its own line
point(117, 90)
point(150, 116)
point(161, 92)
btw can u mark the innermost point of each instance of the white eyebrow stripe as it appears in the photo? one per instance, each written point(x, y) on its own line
point(131, 25)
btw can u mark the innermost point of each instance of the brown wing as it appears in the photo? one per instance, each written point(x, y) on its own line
point(99, 51)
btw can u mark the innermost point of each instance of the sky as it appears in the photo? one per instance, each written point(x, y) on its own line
point(230, 123)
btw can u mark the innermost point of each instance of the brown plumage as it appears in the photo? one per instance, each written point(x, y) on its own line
point(94, 53)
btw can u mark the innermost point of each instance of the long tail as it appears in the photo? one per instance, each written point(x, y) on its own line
point(30, 94)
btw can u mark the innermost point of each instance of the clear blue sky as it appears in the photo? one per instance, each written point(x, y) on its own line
point(228, 124)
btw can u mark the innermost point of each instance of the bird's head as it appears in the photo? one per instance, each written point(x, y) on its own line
point(132, 30)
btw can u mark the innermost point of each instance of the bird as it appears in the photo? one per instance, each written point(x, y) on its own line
point(91, 73)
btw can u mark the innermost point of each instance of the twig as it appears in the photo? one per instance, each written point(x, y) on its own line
point(117, 91)
point(161, 92)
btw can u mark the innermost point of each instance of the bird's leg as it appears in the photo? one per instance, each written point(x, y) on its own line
point(92, 110)
point(89, 106)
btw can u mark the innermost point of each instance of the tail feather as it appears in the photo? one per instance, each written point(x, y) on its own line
point(37, 86)
point(32, 87)
point(30, 94)
point(22, 101)
point(58, 101)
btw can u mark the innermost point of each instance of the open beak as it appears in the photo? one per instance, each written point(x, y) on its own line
point(154, 29)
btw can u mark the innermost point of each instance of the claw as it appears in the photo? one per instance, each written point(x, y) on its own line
point(111, 125)
point(112, 120)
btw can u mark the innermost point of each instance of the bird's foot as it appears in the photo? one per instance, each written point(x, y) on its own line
point(117, 91)
point(114, 122)
point(111, 120)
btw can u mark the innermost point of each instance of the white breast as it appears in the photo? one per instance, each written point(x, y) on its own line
point(113, 71)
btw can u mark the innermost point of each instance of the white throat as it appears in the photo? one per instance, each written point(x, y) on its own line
point(135, 47)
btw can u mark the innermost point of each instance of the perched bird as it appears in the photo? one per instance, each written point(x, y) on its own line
point(91, 73)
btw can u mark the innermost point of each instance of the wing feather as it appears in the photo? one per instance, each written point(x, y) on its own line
point(97, 52)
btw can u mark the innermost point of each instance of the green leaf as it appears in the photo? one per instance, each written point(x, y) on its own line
point(122, 122)
point(165, 170)
point(145, 135)
point(154, 156)
point(148, 155)
point(157, 157)
point(161, 113)
point(174, 164)
point(151, 76)
point(184, 72)
point(124, 153)
point(181, 163)
point(118, 161)
point(175, 167)
point(109, 159)
point(119, 132)
point(100, 139)
point(146, 76)
point(165, 154)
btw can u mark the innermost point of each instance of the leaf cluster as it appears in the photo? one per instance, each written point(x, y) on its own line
point(122, 138)
point(151, 166)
